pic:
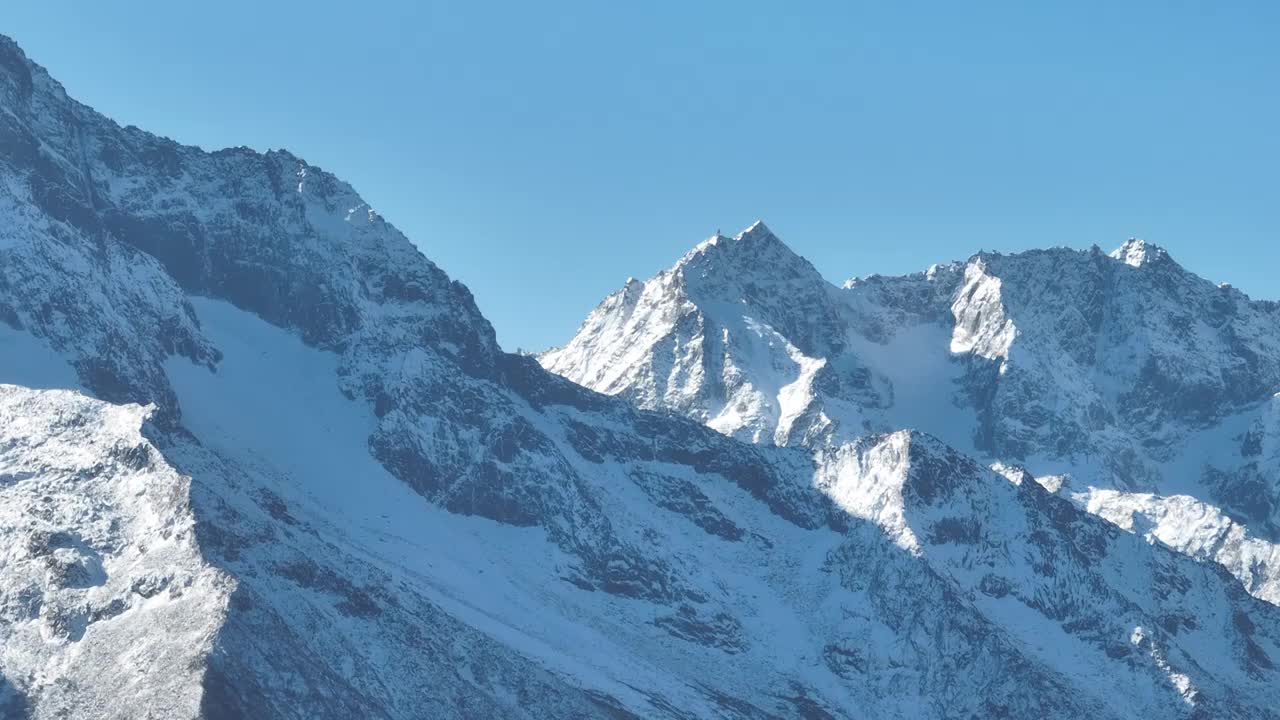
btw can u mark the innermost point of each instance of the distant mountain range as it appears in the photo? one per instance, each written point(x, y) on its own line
point(260, 458)
point(1119, 380)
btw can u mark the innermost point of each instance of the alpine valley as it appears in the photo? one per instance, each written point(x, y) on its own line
point(260, 458)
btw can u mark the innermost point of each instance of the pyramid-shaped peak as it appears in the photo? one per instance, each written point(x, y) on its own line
point(757, 230)
point(753, 255)
point(756, 241)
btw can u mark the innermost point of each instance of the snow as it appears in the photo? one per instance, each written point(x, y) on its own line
point(1195, 528)
point(26, 360)
point(1136, 253)
point(869, 485)
point(273, 407)
point(273, 403)
point(105, 599)
point(925, 376)
point(981, 326)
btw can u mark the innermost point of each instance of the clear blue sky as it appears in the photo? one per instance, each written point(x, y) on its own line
point(543, 152)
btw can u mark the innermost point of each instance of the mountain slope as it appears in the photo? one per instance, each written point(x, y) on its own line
point(377, 513)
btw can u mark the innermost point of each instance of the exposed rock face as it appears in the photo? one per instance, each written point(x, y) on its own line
point(343, 500)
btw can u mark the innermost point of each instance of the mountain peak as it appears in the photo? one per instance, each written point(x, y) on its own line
point(15, 67)
point(759, 236)
point(754, 247)
point(1136, 252)
point(756, 229)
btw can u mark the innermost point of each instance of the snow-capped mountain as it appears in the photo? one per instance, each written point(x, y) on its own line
point(260, 458)
point(1127, 383)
